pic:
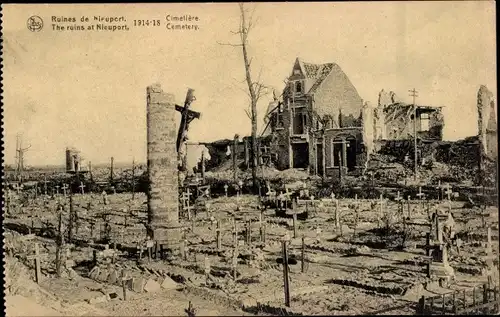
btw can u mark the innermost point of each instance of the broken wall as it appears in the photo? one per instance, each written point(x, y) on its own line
point(487, 125)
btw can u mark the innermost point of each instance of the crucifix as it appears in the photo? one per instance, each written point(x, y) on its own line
point(82, 187)
point(187, 116)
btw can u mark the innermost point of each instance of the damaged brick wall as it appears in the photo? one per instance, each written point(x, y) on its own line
point(487, 124)
point(394, 120)
point(461, 156)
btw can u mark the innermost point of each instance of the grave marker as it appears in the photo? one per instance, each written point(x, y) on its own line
point(218, 230)
point(64, 188)
point(448, 193)
point(302, 269)
point(225, 189)
point(36, 257)
point(82, 188)
point(249, 232)
point(286, 285)
point(294, 223)
point(45, 184)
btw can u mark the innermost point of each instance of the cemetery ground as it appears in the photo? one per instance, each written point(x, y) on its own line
point(349, 256)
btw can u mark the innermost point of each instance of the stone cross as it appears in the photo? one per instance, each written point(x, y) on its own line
point(82, 187)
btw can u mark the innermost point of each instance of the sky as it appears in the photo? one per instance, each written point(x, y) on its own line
point(87, 89)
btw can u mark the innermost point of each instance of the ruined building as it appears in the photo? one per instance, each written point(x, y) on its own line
point(73, 160)
point(318, 123)
point(394, 120)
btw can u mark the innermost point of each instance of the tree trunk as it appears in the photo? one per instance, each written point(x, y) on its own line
point(253, 95)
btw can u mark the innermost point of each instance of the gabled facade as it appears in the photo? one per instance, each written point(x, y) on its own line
point(317, 125)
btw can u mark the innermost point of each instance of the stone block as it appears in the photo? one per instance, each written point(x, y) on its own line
point(152, 286)
point(168, 283)
point(98, 300)
point(94, 273)
point(248, 302)
point(113, 277)
point(137, 285)
point(103, 276)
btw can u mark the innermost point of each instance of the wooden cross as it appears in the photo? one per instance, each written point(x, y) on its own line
point(240, 184)
point(381, 204)
point(187, 198)
point(440, 189)
point(36, 257)
point(249, 232)
point(408, 199)
point(420, 194)
point(448, 191)
point(218, 232)
point(337, 213)
point(45, 181)
point(294, 223)
point(64, 188)
point(82, 187)
point(262, 227)
point(286, 279)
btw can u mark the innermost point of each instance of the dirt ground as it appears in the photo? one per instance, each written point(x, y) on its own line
point(357, 270)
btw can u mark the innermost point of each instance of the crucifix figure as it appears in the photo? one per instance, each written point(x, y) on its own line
point(187, 116)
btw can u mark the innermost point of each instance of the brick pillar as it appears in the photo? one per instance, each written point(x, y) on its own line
point(163, 208)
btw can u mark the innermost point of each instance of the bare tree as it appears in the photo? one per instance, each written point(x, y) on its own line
point(255, 88)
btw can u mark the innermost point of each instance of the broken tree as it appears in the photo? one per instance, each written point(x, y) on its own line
point(255, 89)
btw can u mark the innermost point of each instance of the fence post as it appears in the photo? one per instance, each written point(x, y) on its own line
point(38, 273)
point(454, 303)
point(444, 305)
point(485, 294)
point(286, 285)
point(421, 306)
point(303, 254)
point(465, 301)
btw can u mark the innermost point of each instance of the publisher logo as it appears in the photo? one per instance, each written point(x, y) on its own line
point(35, 23)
